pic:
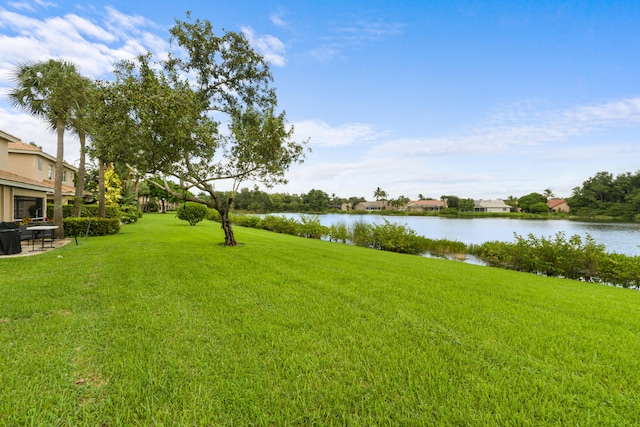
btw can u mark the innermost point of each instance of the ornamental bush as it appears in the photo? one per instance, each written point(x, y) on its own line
point(192, 212)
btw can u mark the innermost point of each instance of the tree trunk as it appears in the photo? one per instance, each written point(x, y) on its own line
point(229, 238)
point(79, 200)
point(57, 187)
point(102, 211)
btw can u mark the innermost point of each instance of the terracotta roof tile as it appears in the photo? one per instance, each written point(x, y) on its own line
point(22, 180)
point(555, 202)
point(23, 146)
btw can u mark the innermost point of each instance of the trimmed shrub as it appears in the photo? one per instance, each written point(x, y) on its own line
point(192, 212)
point(130, 214)
point(76, 226)
point(88, 211)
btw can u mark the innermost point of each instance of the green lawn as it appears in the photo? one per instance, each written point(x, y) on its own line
point(161, 325)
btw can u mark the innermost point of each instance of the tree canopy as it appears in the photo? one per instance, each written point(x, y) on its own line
point(604, 194)
point(201, 119)
point(532, 202)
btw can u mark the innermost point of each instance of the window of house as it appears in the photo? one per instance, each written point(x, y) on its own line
point(39, 164)
point(64, 176)
point(27, 207)
point(50, 173)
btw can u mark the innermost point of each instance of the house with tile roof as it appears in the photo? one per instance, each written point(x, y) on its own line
point(379, 205)
point(425, 205)
point(27, 179)
point(558, 205)
point(494, 206)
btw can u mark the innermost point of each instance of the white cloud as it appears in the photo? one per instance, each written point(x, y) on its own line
point(343, 37)
point(278, 21)
point(506, 131)
point(365, 31)
point(92, 45)
point(326, 53)
point(322, 134)
point(21, 6)
point(269, 46)
point(31, 5)
point(513, 152)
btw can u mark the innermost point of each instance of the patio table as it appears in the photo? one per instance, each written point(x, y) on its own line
point(40, 232)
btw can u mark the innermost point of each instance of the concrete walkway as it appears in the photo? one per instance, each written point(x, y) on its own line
point(27, 245)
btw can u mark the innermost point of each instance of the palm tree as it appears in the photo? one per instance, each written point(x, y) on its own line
point(80, 125)
point(380, 194)
point(49, 90)
point(548, 193)
point(513, 202)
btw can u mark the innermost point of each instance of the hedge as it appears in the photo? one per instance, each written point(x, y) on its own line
point(96, 226)
point(88, 211)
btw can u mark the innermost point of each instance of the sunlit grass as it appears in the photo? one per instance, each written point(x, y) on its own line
point(161, 325)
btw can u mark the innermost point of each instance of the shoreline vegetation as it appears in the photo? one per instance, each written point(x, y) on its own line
point(558, 256)
point(161, 325)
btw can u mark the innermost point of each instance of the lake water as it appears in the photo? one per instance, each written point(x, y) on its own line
point(622, 238)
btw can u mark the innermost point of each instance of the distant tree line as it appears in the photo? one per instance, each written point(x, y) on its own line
point(606, 195)
point(316, 201)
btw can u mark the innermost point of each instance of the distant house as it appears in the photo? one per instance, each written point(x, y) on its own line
point(425, 205)
point(380, 205)
point(558, 205)
point(27, 179)
point(494, 206)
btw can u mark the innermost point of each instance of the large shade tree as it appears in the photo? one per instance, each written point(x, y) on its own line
point(52, 90)
point(205, 118)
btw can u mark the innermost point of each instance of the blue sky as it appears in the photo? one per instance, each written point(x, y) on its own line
point(480, 99)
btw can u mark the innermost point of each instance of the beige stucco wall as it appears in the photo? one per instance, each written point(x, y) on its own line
point(33, 166)
point(36, 166)
point(562, 207)
point(4, 154)
point(6, 204)
point(27, 165)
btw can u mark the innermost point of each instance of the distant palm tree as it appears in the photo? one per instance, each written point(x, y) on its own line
point(380, 194)
point(513, 202)
point(548, 193)
point(49, 90)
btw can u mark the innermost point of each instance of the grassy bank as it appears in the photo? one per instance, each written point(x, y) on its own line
point(160, 325)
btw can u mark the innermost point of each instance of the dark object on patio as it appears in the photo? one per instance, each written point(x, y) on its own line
point(24, 233)
point(9, 239)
